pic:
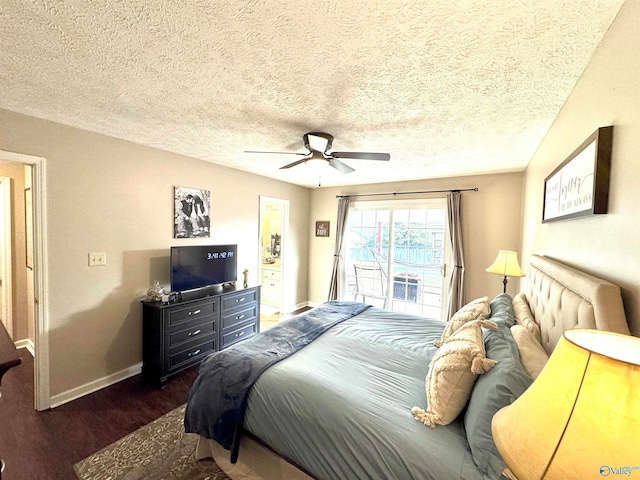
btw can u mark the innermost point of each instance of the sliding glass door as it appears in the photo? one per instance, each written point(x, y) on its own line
point(396, 254)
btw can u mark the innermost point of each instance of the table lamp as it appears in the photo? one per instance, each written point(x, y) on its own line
point(506, 263)
point(581, 417)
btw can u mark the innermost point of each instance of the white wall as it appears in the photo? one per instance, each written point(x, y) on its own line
point(108, 195)
point(608, 93)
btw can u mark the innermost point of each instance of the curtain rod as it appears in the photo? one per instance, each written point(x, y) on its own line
point(475, 189)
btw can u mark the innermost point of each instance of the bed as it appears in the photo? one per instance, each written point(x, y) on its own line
point(344, 404)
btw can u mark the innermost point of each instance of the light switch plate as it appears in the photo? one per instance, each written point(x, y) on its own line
point(97, 259)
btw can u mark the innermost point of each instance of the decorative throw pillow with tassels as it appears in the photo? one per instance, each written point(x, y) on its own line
point(478, 309)
point(453, 372)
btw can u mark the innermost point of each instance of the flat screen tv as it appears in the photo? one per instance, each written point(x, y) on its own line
point(198, 266)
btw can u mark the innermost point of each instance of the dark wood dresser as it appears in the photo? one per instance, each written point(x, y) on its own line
point(178, 335)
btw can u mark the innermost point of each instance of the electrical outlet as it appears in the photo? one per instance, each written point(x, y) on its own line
point(97, 259)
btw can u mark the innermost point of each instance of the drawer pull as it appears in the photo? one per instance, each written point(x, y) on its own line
point(195, 312)
point(197, 332)
point(240, 317)
point(192, 354)
point(239, 334)
point(241, 299)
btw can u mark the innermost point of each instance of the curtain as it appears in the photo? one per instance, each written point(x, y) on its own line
point(456, 285)
point(343, 211)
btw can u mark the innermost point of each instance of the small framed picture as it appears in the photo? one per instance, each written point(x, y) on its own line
point(322, 229)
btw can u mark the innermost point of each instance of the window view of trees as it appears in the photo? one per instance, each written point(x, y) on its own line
point(408, 245)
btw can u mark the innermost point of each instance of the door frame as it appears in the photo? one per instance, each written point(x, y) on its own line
point(284, 307)
point(42, 399)
point(6, 302)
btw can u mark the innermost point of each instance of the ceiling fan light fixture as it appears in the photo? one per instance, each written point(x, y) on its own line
point(317, 165)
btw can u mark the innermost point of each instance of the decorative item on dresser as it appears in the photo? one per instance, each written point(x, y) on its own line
point(179, 335)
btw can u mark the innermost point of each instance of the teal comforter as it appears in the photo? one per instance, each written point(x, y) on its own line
point(218, 397)
point(341, 407)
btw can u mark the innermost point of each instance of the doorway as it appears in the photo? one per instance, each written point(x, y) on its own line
point(274, 219)
point(6, 229)
point(27, 183)
point(395, 255)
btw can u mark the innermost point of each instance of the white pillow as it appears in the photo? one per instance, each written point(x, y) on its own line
point(524, 316)
point(532, 355)
point(477, 309)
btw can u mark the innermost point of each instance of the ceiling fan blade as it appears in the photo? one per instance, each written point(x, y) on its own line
point(342, 167)
point(361, 156)
point(298, 162)
point(276, 153)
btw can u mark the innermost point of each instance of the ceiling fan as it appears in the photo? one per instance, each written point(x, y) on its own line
point(319, 144)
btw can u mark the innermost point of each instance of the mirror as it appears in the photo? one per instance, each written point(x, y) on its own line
point(271, 238)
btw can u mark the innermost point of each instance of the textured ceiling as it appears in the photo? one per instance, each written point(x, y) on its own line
point(446, 87)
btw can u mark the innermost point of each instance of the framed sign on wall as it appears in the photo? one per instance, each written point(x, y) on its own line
point(579, 186)
point(322, 229)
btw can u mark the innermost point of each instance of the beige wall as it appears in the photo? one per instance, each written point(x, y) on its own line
point(608, 93)
point(491, 222)
point(109, 195)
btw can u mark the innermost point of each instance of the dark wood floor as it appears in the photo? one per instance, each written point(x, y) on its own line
point(45, 445)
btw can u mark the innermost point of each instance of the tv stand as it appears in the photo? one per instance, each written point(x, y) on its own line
point(179, 335)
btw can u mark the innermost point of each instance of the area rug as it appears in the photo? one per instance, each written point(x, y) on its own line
point(160, 450)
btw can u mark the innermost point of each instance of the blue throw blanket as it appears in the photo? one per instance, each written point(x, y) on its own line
point(218, 397)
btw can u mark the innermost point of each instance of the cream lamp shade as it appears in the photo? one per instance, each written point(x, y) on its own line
point(580, 419)
point(506, 264)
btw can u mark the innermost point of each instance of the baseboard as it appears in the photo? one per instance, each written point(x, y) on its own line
point(301, 305)
point(86, 389)
point(28, 344)
point(310, 304)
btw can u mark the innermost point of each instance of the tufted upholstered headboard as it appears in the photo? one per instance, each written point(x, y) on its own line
point(562, 298)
